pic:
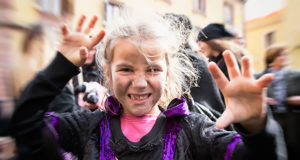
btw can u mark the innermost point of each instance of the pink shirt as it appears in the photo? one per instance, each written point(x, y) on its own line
point(134, 128)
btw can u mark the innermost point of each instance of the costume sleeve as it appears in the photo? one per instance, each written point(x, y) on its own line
point(33, 137)
point(268, 143)
point(213, 143)
point(73, 130)
point(66, 98)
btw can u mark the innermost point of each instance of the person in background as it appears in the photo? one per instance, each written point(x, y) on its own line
point(144, 116)
point(283, 96)
point(213, 40)
point(205, 97)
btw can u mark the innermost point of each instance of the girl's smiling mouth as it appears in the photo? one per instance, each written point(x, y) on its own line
point(139, 98)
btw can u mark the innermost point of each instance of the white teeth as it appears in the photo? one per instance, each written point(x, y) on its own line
point(138, 97)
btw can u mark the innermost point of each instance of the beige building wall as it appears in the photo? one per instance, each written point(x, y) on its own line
point(256, 31)
point(213, 10)
point(239, 22)
point(24, 14)
point(292, 35)
point(89, 8)
point(286, 26)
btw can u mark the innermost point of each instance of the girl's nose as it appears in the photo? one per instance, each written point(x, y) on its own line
point(139, 81)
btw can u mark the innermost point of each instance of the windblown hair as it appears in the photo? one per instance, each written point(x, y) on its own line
point(148, 32)
point(222, 44)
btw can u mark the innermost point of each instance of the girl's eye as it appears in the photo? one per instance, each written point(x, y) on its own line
point(153, 70)
point(126, 70)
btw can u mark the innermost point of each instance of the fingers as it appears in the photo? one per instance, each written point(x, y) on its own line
point(91, 25)
point(97, 38)
point(246, 67)
point(218, 75)
point(65, 30)
point(265, 80)
point(232, 67)
point(83, 52)
point(80, 23)
point(225, 119)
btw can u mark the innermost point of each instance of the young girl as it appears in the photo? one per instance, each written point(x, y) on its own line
point(143, 119)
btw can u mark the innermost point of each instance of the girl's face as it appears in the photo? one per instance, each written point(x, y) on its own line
point(137, 84)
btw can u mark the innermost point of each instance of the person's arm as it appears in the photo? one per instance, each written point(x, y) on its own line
point(208, 142)
point(293, 100)
point(267, 143)
point(28, 126)
point(66, 98)
point(271, 101)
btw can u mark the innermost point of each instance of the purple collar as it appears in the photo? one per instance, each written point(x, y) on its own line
point(181, 109)
point(113, 107)
point(173, 127)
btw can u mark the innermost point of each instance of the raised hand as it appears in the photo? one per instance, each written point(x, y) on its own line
point(75, 45)
point(244, 95)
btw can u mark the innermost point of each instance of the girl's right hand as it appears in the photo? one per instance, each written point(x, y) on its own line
point(75, 45)
point(243, 94)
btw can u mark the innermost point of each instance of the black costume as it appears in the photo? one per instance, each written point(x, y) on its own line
point(206, 93)
point(177, 133)
point(66, 98)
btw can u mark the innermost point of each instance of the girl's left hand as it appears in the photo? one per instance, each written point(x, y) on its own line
point(244, 95)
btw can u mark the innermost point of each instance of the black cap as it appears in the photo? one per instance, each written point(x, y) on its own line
point(212, 31)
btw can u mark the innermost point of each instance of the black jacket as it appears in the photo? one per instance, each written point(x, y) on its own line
point(206, 93)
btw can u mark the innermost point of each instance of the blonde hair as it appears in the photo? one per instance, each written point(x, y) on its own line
point(148, 31)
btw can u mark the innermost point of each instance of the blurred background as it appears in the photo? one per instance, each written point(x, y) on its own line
point(29, 34)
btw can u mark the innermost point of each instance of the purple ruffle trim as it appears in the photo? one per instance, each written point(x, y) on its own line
point(172, 130)
point(231, 146)
point(113, 107)
point(173, 127)
point(181, 109)
point(53, 127)
point(106, 152)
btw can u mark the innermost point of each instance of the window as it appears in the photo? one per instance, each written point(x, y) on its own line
point(199, 6)
point(50, 6)
point(228, 13)
point(55, 7)
point(269, 39)
point(112, 9)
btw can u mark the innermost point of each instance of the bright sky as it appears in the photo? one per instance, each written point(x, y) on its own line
point(258, 8)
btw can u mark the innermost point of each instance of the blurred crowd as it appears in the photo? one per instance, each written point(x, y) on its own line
point(87, 91)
